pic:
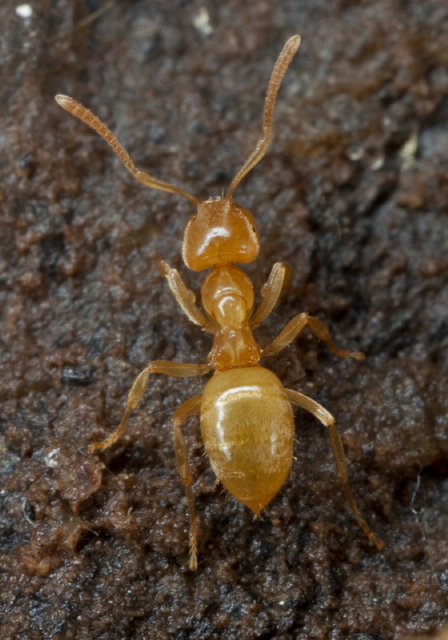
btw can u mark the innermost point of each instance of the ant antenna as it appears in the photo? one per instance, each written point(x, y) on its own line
point(76, 109)
point(278, 72)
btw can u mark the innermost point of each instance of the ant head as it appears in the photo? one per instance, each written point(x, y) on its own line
point(221, 232)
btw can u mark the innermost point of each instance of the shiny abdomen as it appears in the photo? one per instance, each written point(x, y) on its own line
point(248, 432)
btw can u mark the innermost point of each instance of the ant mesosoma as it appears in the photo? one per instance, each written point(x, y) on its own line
point(247, 422)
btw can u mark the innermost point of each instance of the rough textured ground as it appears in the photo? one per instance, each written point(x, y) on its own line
point(353, 194)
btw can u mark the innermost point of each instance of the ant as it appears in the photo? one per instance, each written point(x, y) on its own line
point(246, 416)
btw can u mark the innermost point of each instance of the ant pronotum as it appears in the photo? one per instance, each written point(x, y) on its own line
point(247, 422)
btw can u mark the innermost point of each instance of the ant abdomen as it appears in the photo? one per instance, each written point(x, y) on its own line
point(247, 427)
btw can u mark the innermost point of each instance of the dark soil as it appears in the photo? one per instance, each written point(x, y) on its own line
point(353, 195)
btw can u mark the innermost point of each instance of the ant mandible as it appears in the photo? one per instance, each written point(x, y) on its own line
point(246, 417)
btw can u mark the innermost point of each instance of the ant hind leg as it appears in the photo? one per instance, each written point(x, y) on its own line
point(187, 409)
point(324, 416)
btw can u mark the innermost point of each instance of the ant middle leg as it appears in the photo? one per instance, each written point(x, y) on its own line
point(187, 409)
point(325, 417)
point(319, 329)
point(166, 367)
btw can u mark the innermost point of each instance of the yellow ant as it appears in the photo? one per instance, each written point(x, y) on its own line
point(247, 422)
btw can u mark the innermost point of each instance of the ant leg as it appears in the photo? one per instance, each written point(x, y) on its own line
point(185, 297)
point(320, 330)
point(300, 400)
point(187, 409)
point(166, 367)
point(270, 293)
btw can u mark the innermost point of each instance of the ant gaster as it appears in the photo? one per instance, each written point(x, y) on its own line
point(247, 422)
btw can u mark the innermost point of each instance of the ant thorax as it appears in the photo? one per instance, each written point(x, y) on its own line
point(228, 298)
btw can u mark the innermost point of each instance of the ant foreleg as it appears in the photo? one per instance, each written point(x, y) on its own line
point(187, 409)
point(324, 416)
point(166, 367)
point(270, 293)
point(320, 330)
point(185, 297)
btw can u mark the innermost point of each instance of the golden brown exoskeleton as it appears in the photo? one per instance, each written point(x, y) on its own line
point(246, 416)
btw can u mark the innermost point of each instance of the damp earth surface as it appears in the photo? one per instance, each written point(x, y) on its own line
point(353, 194)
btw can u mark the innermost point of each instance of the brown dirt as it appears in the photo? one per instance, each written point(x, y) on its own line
point(353, 194)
